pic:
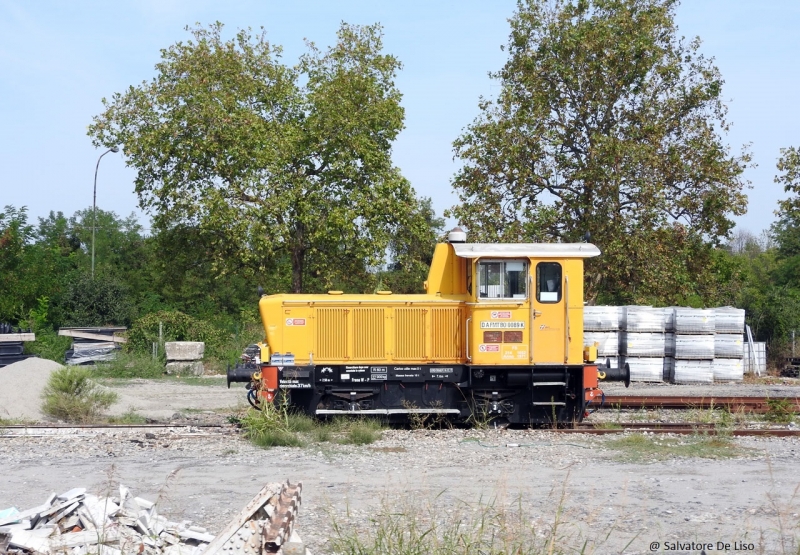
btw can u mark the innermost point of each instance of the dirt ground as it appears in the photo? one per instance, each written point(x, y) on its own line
point(612, 504)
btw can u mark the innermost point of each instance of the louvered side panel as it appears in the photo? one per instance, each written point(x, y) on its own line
point(368, 330)
point(447, 334)
point(331, 334)
point(409, 330)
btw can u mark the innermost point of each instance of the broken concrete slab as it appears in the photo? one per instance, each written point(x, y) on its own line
point(84, 524)
point(72, 494)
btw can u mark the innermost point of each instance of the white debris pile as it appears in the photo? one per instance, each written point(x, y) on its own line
point(79, 523)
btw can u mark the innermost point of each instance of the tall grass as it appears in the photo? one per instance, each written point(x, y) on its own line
point(445, 527)
point(71, 395)
point(130, 365)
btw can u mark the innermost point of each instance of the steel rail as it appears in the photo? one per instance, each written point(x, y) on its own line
point(680, 428)
point(109, 426)
point(754, 404)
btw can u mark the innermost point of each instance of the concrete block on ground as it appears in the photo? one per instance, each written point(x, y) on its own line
point(185, 350)
point(194, 367)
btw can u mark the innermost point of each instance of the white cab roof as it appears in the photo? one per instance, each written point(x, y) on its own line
point(525, 250)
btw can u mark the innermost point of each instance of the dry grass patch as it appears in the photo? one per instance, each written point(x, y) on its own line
point(651, 448)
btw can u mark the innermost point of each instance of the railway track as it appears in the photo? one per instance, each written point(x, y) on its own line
point(208, 430)
point(756, 405)
point(680, 428)
point(89, 430)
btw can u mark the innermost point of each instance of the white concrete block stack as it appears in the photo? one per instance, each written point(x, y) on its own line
point(694, 345)
point(675, 344)
point(601, 326)
point(728, 344)
point(642, 343)
point(669, 343)
point(185, 357)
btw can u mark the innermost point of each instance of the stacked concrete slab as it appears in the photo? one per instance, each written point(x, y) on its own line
point(728, 344)
point(93, 345)
point(185, 357)
point(694, 345)
point(601, 325)
point(675, 344)
point(11, 344)
point(642, 343)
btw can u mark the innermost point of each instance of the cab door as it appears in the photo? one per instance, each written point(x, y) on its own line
point(498, 322)
point(549, 330)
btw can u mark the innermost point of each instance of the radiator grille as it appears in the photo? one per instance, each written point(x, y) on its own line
point(331, 333)
point(368, 325)
point(446, 331)
point(409, 334)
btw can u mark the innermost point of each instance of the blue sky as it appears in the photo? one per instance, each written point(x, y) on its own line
point(58, 59)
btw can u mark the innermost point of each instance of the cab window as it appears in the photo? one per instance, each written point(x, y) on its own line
point(548, 282)
point(503, 279)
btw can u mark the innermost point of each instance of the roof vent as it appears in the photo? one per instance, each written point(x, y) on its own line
point(457, 235)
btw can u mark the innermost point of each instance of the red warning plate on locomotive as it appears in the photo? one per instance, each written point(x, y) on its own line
point(496, 314)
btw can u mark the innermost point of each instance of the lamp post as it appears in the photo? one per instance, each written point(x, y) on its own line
point(94, 199)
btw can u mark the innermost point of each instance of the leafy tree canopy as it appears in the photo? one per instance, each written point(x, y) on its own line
point(607, 122)
point(787, 228)
point(412, 251)
point(269, 161)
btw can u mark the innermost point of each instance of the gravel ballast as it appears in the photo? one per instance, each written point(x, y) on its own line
point(607, 498)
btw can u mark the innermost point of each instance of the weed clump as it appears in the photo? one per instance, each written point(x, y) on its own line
point(779, 410)
point(272, 425)
point(275, 424)
point(71, 395)
point(361, 432)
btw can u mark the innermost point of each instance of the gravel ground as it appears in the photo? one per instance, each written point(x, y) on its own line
point(606, 499)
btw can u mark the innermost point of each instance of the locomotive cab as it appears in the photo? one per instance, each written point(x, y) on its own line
point(498, 334)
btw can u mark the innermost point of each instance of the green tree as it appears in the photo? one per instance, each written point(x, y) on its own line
point(412, 249)
point(119, 247)
point(17, 292)
point(606, 122)
point(269, 161)
point(35, 263)
point(185, 280)
point(787, 229)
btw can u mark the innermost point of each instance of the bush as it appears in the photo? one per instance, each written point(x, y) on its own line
point(49, 345)
point(176, 326)
point(72, 396)
point(96, 301)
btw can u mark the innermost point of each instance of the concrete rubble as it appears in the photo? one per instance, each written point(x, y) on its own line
point(79, 523)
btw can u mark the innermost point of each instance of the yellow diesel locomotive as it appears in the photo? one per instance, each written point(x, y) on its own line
point(498, 334)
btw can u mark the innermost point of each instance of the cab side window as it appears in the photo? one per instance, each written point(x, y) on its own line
point(548, 282)
point(503, 279)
